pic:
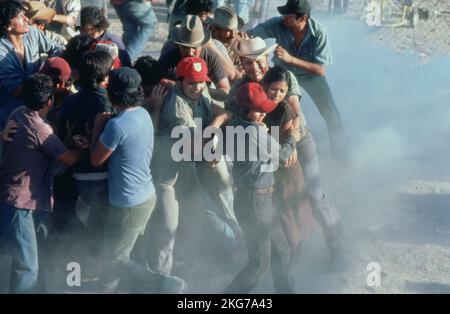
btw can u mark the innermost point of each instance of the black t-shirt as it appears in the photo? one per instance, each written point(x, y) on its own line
point(80, 109)
point(280, 115)
point(169, 60)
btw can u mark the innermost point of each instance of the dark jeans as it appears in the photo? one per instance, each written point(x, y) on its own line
point(95, 195)
point(65, 200)
point(18, 231)
point(327, 215)
point(267, 245)
point(317, 87)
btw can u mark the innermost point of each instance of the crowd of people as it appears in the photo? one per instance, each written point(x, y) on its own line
point(86, 117)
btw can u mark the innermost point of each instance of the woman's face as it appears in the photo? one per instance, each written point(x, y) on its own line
point(277, 91)
point(19, 24)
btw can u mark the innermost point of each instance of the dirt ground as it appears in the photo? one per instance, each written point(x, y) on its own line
point(429, 39)
point(394, 215)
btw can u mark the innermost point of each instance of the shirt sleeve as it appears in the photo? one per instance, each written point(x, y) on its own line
point(73, 8)
point(11, 76)
point(322, 50)
point(46, 44)
point(111, 136)
point(294, 86)
point(266, 29)
point(216, 70)
point(49, 142)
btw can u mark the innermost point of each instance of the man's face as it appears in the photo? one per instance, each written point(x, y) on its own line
point(90, 30)
point(193, 91)
point(291, 21)
point(224, 35)
point(255, 69)
point(189, 51)
point(19, 24)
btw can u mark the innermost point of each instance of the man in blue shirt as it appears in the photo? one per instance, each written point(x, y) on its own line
point(127, 144)
point(304, 49)
point(21, 47)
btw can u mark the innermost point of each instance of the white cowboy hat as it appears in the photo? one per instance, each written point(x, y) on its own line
point(254, 48)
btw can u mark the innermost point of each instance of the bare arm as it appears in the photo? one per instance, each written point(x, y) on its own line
point(99, 153)
point(221, 91)
point(68, 20)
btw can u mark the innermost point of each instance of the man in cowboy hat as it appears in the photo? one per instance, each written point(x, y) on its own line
point(254, 56)
point(225, 27)
point(193, 40)
point(304, 48)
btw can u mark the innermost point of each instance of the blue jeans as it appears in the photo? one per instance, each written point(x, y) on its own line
point(138, 21)
point(327, 215)
point(17, 230)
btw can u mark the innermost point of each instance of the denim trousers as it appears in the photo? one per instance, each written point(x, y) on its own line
point(318, 89)
point(267, 246)
point(327, 215)
point(122, 229)
point(138, 21)
point(18, 232)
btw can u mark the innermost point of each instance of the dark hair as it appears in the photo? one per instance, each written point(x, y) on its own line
point(194, 7)
point(8, 11)
point(40, 22)
point(276, 74)
point(149, 69)
point(124, 99)
point(93, 16)
point(75, 48)
point(94, 67)
point(37, 90)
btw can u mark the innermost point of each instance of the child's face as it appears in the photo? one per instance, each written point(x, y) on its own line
point(256, 116)
point(277, 91)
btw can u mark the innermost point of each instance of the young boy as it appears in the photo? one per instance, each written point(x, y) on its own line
point(254, 182)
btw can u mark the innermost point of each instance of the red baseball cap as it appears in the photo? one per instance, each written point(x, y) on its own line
point(193, 70)
point(253, 97)
point(56, 68)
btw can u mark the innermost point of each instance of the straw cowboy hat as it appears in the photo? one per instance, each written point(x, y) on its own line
point(191, 32)
point(254, 48)
point(38, 11)
point(226, 18)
